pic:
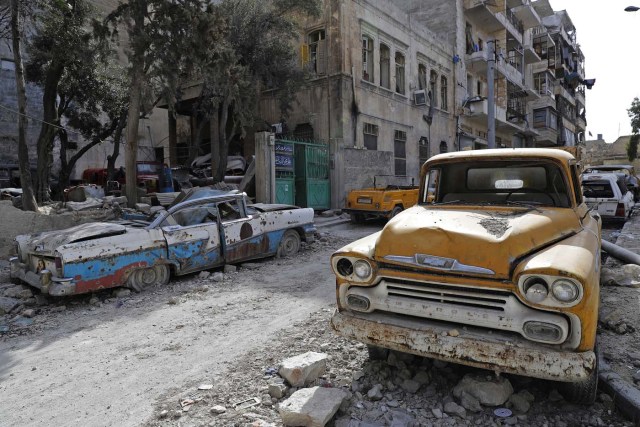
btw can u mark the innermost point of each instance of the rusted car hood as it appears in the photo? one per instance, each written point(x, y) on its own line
point(47, 242)
point(479, 238)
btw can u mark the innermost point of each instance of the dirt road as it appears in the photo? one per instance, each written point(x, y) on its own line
point(106, 364)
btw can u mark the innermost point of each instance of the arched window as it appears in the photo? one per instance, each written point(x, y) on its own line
point(443, 147)
point(433, 88)
point(385, 63)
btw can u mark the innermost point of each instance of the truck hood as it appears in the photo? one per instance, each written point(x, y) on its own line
point(471, 241)
point(46, 243)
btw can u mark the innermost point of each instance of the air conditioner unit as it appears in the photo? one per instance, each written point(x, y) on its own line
point(420, 97)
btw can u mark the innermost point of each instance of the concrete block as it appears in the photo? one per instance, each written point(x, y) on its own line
point(311, 407)
point(304, 368)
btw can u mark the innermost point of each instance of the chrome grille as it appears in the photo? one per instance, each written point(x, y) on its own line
point(456, 295)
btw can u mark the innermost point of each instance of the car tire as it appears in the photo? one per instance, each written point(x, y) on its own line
point(582, 392)
point(377, 353)
point(289, 245)
point(357, 218)
point(396, 211)
point(144, 278)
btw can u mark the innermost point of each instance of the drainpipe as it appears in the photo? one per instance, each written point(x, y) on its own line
point(491, 123)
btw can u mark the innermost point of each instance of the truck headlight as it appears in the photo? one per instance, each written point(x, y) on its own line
point(535, 289)
point(362, 269)
point(565, 290)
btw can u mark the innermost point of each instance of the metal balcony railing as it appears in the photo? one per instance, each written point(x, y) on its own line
point(511, 17)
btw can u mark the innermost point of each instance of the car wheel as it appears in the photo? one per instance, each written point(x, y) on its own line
point(144, 278)
point(396, 211)
point(289, 245)
point(583, 392)
point(377, 353)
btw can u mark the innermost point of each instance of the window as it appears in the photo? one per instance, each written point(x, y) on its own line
point(423, 149)
point(400, 87)
point(542, 83)
point(479, 88)
point(367, 58)
point(385, 63)
point(370, 136)
point(422, 77)
point(443, 93)
point(400, 152)
point(470, 86)
point(433, 86)
point(443, 147)
point(545, 118)
point(317, 52)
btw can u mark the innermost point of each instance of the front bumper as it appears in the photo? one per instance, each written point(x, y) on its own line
point(371, 213)
point(42, 280)
point(432, 339)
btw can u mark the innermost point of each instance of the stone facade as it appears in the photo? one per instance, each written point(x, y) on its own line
point(599, 152)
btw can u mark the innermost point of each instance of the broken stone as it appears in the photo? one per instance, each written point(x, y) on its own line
point(519, 404)
point(29, 313)
point(452, 408)
point(25, 294)
point(155, 209)
point(204, 275)
point(454, 333)
point(436, 413)
point(59, 308)
point(173, 301)
point(488, 391)
point(218, 276)
point(94, 301)
point(422, 377)
point(277, 390)
point(143, 207)
point(375, 392)
point(121, 200)
point(218, 409)
point(304, 368)
point(410, 386)
point(228, 268)
point(251, 265)
point(121, 292)
point(7, 304)
point(13, 292)
point(311, 406)
point(469, 402)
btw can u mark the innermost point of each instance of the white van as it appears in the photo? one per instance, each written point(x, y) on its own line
point(607, 193)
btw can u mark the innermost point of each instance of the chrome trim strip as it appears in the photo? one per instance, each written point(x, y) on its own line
point(439, 263)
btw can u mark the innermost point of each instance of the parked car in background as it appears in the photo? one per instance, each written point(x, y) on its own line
point(607, 193)
point(497, 267)
point(631, 179)
point(206, 230)
point(386, 199)
point(153, 177)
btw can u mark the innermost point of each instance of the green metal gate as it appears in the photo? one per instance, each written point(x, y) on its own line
point(302, 174)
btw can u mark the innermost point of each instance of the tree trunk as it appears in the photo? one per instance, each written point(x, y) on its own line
point(215, 135)
point(196, 140)
point(47, 131)
point(136, 38)
point(28, 198)
point(111, 160)
point(223, 115)
point(64, 177)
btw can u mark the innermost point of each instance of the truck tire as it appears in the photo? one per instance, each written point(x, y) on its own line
point(356, 218)
point(395, 211)
point(583, 392)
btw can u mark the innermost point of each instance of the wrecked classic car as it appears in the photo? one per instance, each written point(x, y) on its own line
point(497, 267)
point(199, 233)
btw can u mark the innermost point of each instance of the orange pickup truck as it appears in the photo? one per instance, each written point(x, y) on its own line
point(382, 201)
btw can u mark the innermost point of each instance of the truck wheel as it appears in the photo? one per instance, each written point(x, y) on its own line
point(583, 392)
point(144, 278)
point(377, 353)
point(289, 245)
point(396, 211)
point(357, 218)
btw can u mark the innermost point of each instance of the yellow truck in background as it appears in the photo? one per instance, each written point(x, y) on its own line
point(383, 200)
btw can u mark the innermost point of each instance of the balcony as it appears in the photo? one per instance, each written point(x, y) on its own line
point(478, 112)
point(483, 15)
point(581, 124)
point(478, 63)
point(527, 14)
point(512, 24)
point(530, 53)
point(580, 96)
point(547, 137)
point(560, 90)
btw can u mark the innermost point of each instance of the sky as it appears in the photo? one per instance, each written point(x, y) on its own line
point(609, 38)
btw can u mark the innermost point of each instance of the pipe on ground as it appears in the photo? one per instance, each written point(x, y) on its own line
point(620, 253)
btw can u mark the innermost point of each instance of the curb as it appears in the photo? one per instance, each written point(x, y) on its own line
point(625, 396)
point(332, 223)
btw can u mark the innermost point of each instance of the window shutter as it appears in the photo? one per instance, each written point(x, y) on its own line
point(304, 55)
point(321, 57)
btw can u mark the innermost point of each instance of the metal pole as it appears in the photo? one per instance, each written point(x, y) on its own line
point(491, 121)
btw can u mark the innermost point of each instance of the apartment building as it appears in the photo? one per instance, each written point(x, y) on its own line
point(381, 90)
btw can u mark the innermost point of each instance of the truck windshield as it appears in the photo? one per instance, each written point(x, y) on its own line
point(497, 183)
